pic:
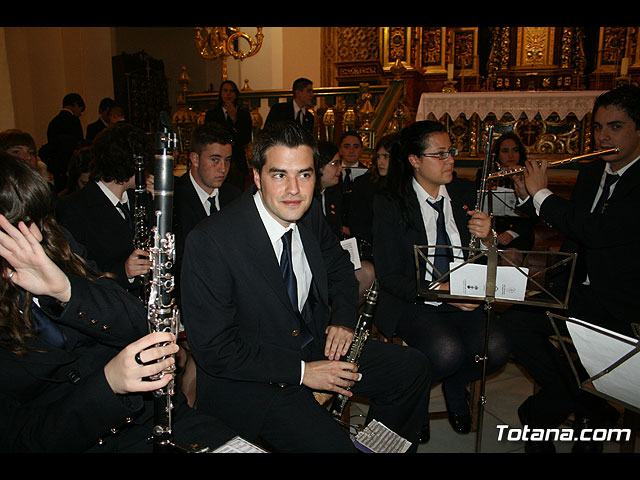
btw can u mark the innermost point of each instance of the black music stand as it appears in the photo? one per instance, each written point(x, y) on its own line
point(610, 360)
point(537, 290)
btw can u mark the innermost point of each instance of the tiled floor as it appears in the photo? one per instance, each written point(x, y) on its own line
point(505, 391)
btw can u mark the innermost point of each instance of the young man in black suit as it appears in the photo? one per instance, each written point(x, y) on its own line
point(601, 229)
point(101, 215)
point(203, 191)
point(64, 135)
point(297, 109)
point(262, 345)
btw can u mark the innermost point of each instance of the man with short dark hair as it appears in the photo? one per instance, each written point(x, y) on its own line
point(64, 135)
point(101, 215)
point(101, 123)
point(598, 223)
point(269, 302)
point(297, 109)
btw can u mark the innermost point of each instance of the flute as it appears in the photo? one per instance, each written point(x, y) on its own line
point(557, 163)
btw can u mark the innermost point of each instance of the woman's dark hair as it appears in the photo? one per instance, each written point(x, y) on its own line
point(80, 163)
point(26, 197)
point(391, 144)
point(495, 151)
point(235, 89)
point(413, 140)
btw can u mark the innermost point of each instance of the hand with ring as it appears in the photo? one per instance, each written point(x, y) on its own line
point(127, 372)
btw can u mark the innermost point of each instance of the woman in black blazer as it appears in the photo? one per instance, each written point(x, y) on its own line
point(69, 378)
point(230, 113)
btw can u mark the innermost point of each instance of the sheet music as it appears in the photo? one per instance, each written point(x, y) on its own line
point(351, 246)
point(238, 445)
point(503, 203)
point(470, 280)
point(598, 348)
point(377, 438)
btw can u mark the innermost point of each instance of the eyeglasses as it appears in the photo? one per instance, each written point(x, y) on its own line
point(441, 155)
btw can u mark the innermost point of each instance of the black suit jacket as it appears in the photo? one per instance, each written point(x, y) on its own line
point(238, 318)
point(64, 135)
point(57, 398)
point(393, 251)
point(96, 224)
point(284, 112)
point(188, 210)
point(94, 129)
point(605, 243)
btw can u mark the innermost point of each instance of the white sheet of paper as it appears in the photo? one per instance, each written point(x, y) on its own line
point(351, 246)
point(470, 280)
point(598, 349)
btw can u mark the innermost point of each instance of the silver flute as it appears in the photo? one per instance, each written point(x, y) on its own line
point(557, 163)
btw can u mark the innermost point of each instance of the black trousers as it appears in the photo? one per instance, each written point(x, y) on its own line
point(451, 338)
point(395, 379)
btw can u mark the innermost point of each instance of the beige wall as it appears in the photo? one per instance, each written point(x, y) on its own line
point(39, 65)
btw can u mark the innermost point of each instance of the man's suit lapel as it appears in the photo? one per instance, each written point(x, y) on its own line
point(260, 252)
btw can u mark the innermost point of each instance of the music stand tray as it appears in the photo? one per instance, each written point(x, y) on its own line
point(609, 358)
point(489, 289)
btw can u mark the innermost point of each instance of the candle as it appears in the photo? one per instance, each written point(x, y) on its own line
point(624, 67)
point(450, 71)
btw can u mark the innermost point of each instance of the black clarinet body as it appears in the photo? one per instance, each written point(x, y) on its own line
point(361, 334)
point(162, 313)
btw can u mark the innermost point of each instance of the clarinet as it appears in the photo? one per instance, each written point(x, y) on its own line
point(361, 334)
point(141, 238)
point(162, 313)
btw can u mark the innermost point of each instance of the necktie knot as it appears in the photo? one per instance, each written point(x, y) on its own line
point(212, 202)
point(609, 180)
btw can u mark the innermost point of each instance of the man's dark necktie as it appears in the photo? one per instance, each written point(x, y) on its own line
point(609, 180)
point(213, 207)
point(442, 256)
point(347, 178)
point(289, 277)
point(127, 214)
point(299, 117)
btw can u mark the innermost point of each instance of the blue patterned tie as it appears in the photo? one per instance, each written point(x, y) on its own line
point(442, 256)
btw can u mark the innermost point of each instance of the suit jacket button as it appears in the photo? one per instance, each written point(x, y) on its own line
point(82, 314)
point(295, 333)
point(282, 385)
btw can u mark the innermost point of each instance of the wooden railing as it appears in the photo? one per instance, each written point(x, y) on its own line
point(370, 110)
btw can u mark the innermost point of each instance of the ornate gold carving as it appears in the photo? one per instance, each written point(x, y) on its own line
point(221, 42)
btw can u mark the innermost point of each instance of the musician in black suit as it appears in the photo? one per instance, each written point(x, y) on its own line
point(600, 228)
point(298, 109)
point(64, 136)
point(261, 349)
point(203, 190)
point(69, 381)
point(101, 123)
point(229, 113)
point(100, 216)
point(450, 333)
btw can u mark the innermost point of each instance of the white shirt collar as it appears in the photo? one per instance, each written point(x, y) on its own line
point(204, 196)
point(274, 229)
point(620, 171)
point(112, 196)
point(424, 196)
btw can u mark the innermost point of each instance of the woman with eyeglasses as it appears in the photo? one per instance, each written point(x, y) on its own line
point(449, 332)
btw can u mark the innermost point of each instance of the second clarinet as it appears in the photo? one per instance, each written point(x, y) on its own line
point(361, 334)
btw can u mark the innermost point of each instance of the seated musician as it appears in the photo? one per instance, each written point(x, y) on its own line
point(69, 379)
point(101, 215)
point(269, 302)
point(449, 334)
point(331, 198)
point(516, 230)
point(598, 225)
